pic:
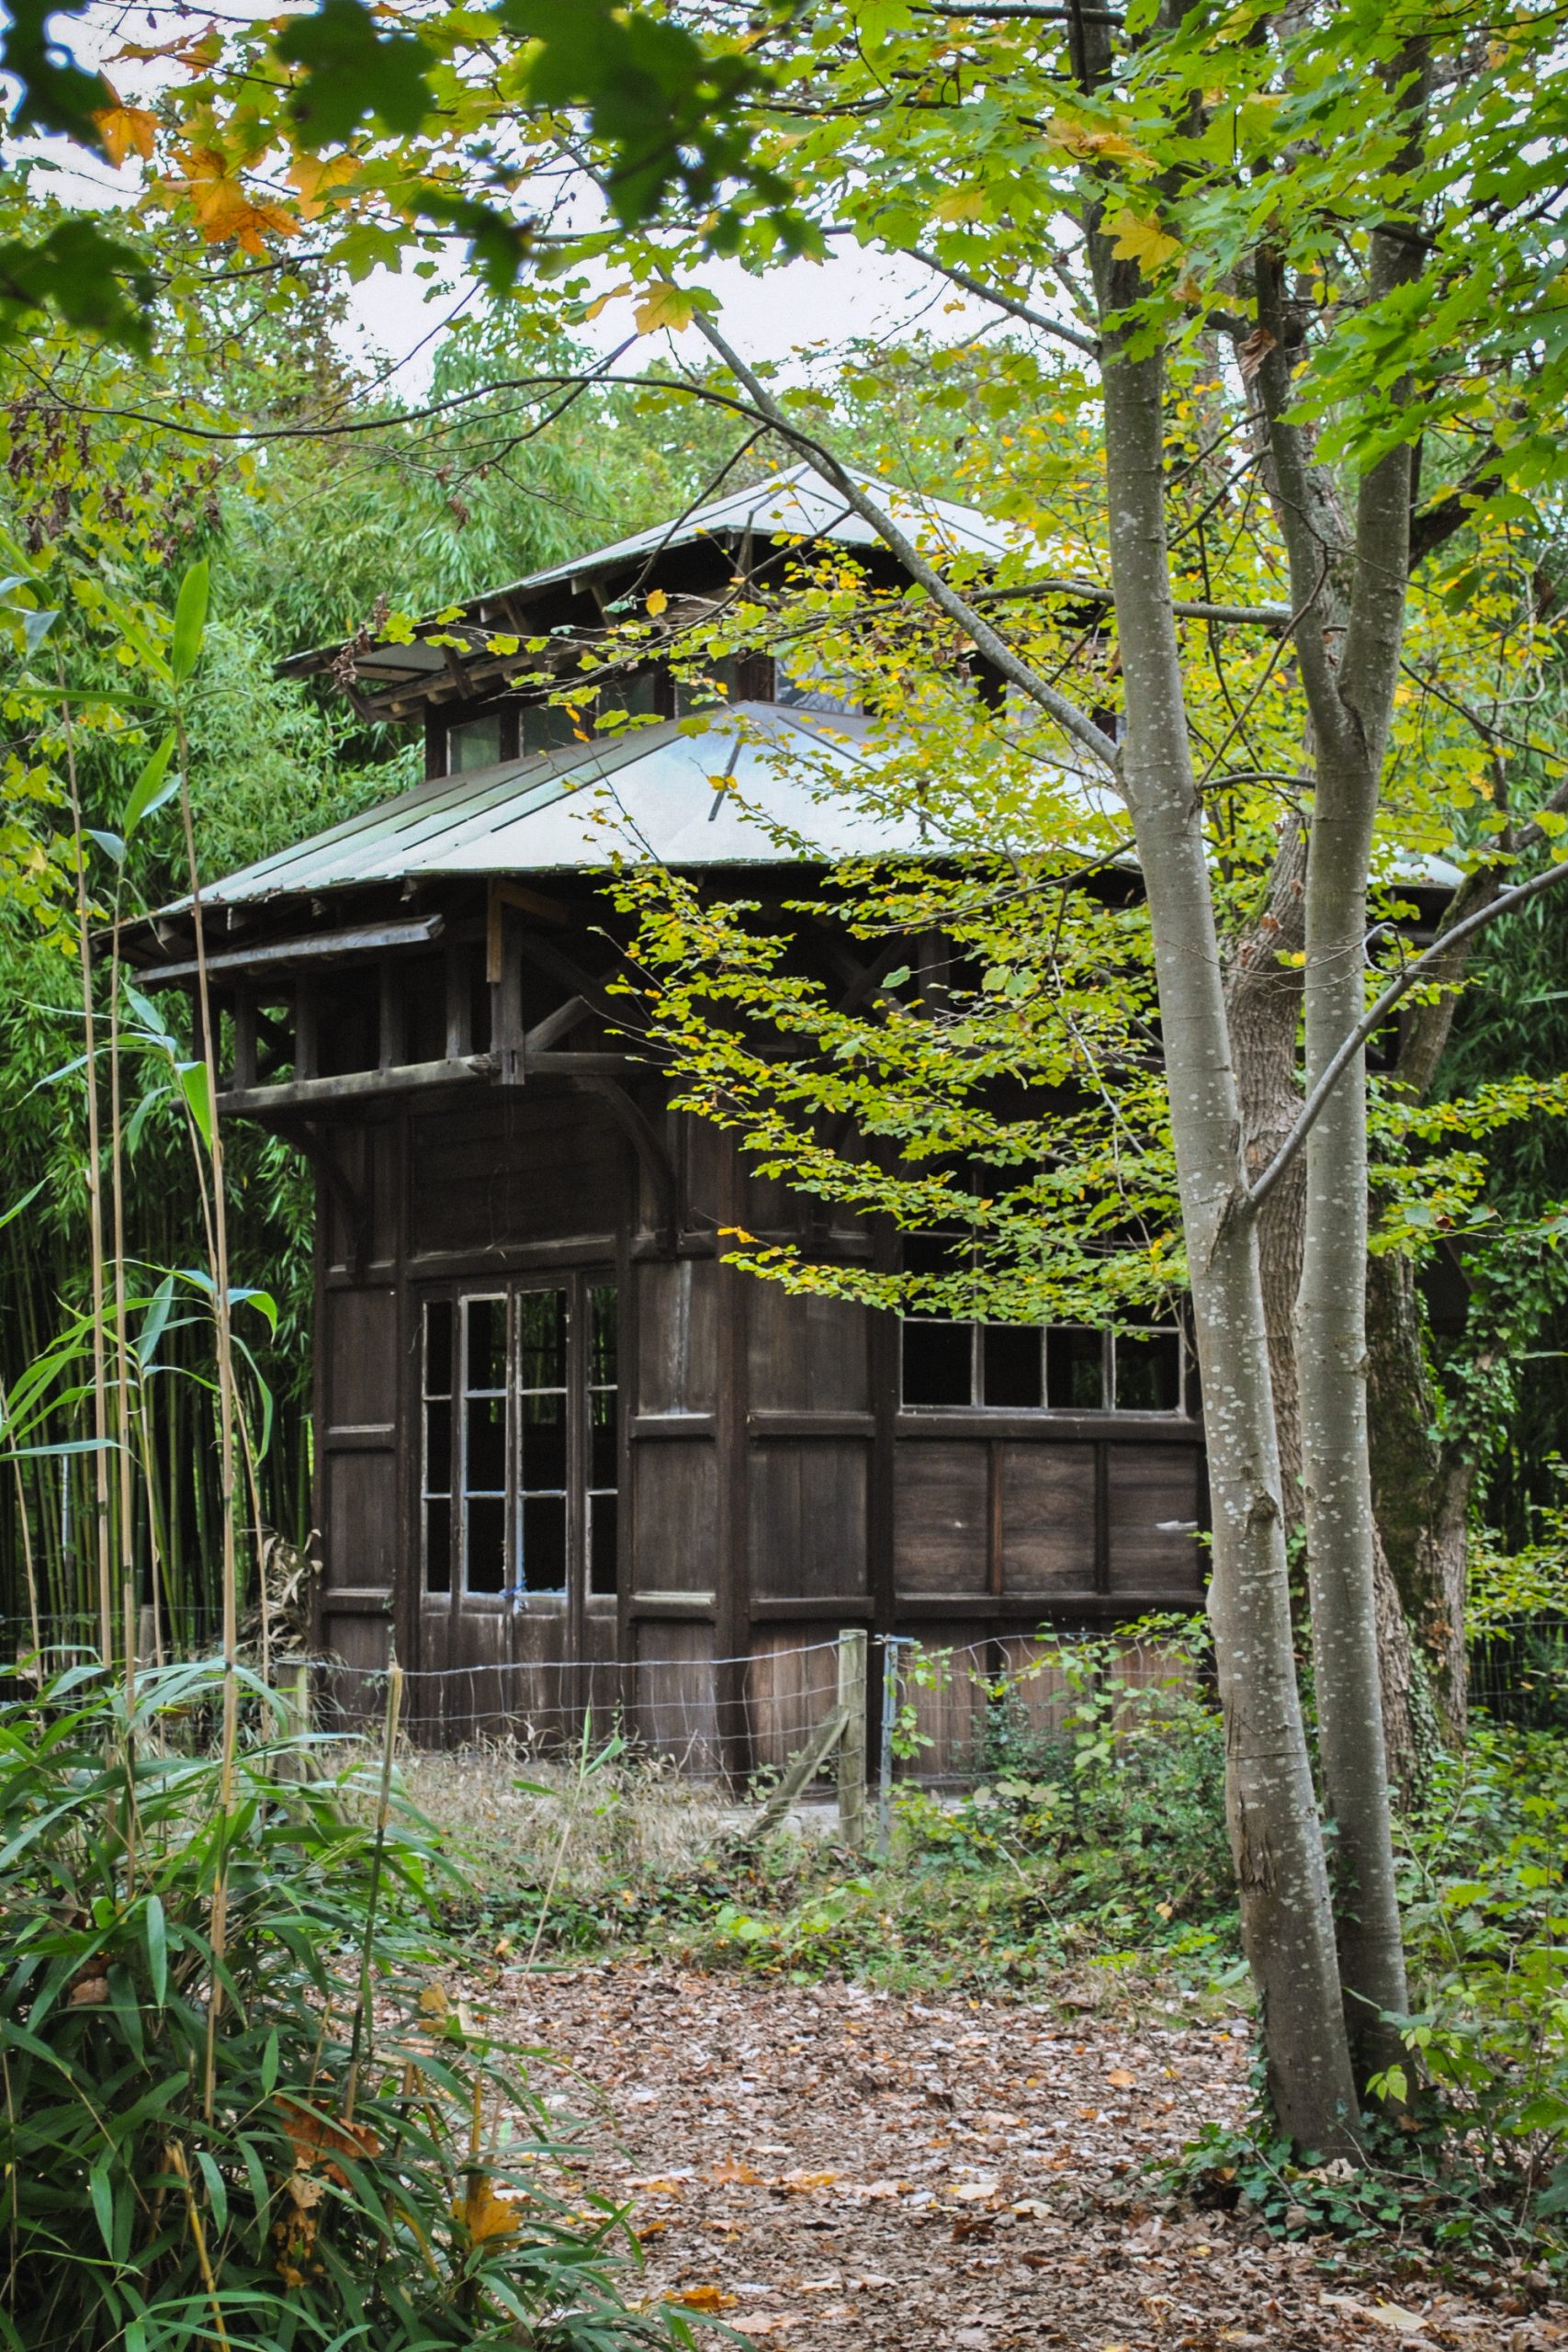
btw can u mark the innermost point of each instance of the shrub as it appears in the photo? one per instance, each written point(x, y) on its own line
point(299, 2137)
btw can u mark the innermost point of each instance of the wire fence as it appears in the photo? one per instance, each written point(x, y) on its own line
point(950, 1715)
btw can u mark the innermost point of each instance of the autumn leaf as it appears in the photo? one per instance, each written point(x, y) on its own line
point(656, 601)
point(318, 2138)
point(1254, 352)
point(702, 2299)
point(225, 210)
point(1078, 139)
point(483, 2214)
point(664, 305)
point(961, 204)
point(433, 2002)
point(314, 175)
point(739, 2173)
point(604, 300)
point(126, 130)
point(1142, 241)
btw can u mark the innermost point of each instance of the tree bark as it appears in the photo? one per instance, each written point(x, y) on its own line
point(1275, 1841)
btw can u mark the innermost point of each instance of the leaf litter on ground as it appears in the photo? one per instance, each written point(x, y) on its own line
point(832, 2169)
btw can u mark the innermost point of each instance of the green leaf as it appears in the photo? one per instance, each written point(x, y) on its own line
point(269, 2064)
point(191, 620)
point(353, 70)
point(198, 1097)
point(149, 790)
point(216, 2188)
point(157, 1950)
point(111, 844)
point(102, 2191)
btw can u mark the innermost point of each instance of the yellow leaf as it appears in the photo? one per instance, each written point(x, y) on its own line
point(739, 2172)
point(963, 204)
point(483, 2214)
point(432, 2001)
point(702, 2299)
point(1144, 242)
point(1121, 2080)
point(1080, 140)
point(613, 295)
point(313, 175)
point(665, 306)
point(657, 600)
point(124, 129)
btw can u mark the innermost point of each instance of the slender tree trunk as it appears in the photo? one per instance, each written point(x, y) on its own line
point(1275, 1837)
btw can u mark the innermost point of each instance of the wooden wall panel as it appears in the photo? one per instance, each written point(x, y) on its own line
point(360, 1341)
point(349, 1148)
point(675, 1498)
point(676, 1707)
point(1155, 1495)
point(940, 1517)
point(807, 1513)
point(807, 1355)
point(352, 1690)
point(1039, 1691)
point(792, 1685)
point(520, 1168)
point(361, 1547)
point(677, 1336)
point(1047, 1517)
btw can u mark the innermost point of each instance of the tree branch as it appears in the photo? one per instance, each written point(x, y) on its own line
point(1256, 1193)
point(1010, 302)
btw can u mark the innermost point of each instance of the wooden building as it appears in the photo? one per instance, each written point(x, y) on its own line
point(564, 1454)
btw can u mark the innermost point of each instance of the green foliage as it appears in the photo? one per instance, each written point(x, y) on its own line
point(232, 2143)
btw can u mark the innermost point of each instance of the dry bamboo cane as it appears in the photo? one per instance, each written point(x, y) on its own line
point(226, 1416)
point(122, 1342)
point(95, 1206)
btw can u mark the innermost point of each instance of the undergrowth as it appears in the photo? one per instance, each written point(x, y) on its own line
point(241, 2105)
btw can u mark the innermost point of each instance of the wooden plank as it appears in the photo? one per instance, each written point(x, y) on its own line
point(351, 1086)
point(310, 947)
point(801, 1769)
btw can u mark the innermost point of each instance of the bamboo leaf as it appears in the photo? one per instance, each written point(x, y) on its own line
point(198, 1097)
point(157, 1950)
point(102, 2190)
point(150, 789)
point(216, 2188)
point(190, 621)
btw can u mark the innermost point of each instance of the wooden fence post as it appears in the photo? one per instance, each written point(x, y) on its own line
point(852, 1743)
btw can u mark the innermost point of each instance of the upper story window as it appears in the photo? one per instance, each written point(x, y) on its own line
point(1140, 1366)
point(474, 743)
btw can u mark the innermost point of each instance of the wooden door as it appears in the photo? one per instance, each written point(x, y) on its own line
point(519, 1431)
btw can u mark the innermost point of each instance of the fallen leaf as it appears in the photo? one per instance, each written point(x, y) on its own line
point(738, 2173)
point(1121, 2080)
point(483, 2214)
point(702, 2299)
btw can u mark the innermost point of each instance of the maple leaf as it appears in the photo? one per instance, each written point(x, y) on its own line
point(702, 2299)
point(225, 210)
point(665, 306)
point(961, 204)
point(126, 130)
point(1142, 241)
point(313, 175)
point(1112, 146)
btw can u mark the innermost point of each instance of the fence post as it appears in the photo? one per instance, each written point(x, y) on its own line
point(852, 1745)
point(891, 1645)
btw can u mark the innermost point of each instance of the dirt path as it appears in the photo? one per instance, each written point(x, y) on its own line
point(833, 2169)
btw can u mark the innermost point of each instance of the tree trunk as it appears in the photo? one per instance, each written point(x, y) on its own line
point(1275, 1841)
point(1421, 1488)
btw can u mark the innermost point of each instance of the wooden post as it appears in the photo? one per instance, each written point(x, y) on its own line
point(852, 1745)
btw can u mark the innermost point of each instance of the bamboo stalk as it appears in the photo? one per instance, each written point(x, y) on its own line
point(94, 1204)
point(363, 2036)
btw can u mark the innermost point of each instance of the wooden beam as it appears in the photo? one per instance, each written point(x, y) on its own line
point(314, 948)
point(354, 1086)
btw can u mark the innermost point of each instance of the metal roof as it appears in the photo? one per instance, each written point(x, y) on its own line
point(652, 792)
point(659, 794)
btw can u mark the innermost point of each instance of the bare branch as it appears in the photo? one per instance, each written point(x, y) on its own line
point(1086, 344)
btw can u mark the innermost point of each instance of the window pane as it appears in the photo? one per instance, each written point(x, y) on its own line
point(438, 1546)
point(602, 1436)
point(544, 1543)
point(601, 1543)
point(438, 1447)
point(473, 743)
point(937, 1358)
point(1074, 1370)
point(543, 1440)
point(484, 1466)
point(487, 1545)
point(542, 1314)
point(602, 1317)
point(486, 1342)
point(1148, 1372)
point(1010, 1356)
point(438, 1348)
